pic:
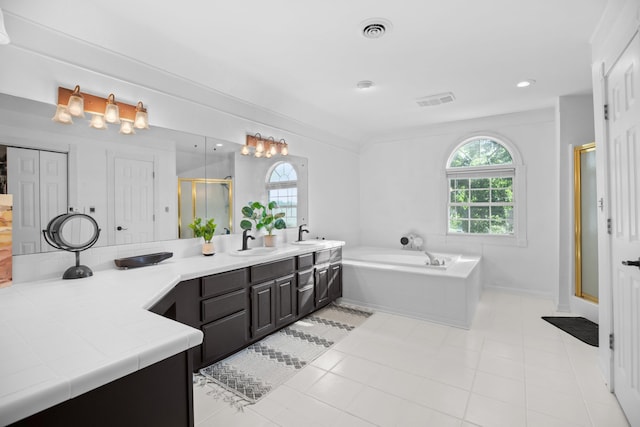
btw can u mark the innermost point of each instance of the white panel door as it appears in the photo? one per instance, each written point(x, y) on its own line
point(623, 86)
point(23, 181)
point(53, 188)
point(133, 200)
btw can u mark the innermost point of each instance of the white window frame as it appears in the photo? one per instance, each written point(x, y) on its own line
point(516, 169)
point(284, 185)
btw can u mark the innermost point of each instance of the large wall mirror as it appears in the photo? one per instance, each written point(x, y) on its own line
point(138, 188)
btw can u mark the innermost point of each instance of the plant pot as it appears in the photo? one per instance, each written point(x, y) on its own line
point(208, 249)
point(270, 240)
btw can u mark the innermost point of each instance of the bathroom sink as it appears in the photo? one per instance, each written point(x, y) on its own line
point(306, 242)
point(253, 252)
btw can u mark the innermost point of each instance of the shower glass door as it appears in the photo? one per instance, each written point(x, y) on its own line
point(586, 227)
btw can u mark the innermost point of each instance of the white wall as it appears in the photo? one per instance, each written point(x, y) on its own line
point(31, 71)
point(574, 127)
point(404, 190)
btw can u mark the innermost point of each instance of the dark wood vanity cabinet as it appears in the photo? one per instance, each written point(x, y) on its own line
point(328, 276)
point(263, 309)
point(237, 308)
point(273, 297)
point(224, 314)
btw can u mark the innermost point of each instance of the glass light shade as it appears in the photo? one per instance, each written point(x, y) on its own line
point(75, 105)
point(4, 37)
point(98, 122)
point(126, 127)
point(62, 115)
point(258, 154)
point(268, 155)
point(273, 150)
point(259, 146)
point(142, 118)
point(245, 150)
point(284, 150)
point(111, 111)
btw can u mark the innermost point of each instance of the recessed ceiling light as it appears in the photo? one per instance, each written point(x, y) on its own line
point(364, 84)
point(526, 83)
point(219, 144)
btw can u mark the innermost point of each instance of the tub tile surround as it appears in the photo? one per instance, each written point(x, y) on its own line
point(522, 372)
point(62, 338)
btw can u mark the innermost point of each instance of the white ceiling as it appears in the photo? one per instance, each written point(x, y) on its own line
point(302, 59)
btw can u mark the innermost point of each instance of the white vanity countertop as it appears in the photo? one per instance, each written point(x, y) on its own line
point(62, 338)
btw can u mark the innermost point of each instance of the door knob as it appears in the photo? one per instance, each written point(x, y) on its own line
point(632, 263)
point(120, 228)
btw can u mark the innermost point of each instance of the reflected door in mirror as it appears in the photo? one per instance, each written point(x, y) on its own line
point(38, 181)
point(133, 202)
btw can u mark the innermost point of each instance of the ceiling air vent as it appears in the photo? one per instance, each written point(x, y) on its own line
point(374, 28)
point(433, 100)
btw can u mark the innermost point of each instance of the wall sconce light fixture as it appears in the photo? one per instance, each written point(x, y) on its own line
point(261, 147)
point(73, 103)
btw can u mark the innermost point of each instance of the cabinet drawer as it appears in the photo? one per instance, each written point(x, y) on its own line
point(305, 278)
point(271, 270)
point(322, 257)
point(224, 336)
point(336, 255)
point(305, 261)
point(223, 283)
point(223, 305)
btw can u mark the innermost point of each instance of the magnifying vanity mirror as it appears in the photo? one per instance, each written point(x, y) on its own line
point(135, 186)
point(75, 233)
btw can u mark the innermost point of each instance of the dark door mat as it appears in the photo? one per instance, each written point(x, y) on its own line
point(583, 329)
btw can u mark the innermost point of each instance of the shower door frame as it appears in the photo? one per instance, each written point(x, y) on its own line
point(577, 161)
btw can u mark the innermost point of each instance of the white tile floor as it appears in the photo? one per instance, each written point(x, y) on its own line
point(511, 369)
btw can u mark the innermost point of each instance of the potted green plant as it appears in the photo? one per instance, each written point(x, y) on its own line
point(264, 218)
point(206, 231)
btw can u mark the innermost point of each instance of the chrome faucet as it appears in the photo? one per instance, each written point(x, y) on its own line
point(300, 231)
point(245, 238)
point(432, 258)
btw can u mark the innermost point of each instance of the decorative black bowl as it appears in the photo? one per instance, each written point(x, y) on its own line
point(142, 260)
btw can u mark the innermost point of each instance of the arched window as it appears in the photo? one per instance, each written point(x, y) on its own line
point(481, 174)
point(282, 188)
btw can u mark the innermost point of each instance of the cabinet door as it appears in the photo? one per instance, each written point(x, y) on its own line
point(223, 337)
point(286, 300)
point(335, 281)
point(306, 302)
point(322, 286)
point(263, 309)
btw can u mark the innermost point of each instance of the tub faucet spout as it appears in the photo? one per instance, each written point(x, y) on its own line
point(432, 258)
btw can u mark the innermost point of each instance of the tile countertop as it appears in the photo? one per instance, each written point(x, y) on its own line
point(62, 338)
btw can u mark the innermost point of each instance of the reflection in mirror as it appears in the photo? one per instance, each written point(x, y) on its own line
point(204, 198)
point(283, 179)
point(91, 158)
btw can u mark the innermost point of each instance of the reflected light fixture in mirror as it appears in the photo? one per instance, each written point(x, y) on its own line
point(264, 147)
point(103, 110)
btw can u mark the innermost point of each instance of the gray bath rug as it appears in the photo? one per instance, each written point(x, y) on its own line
point(247, 376)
